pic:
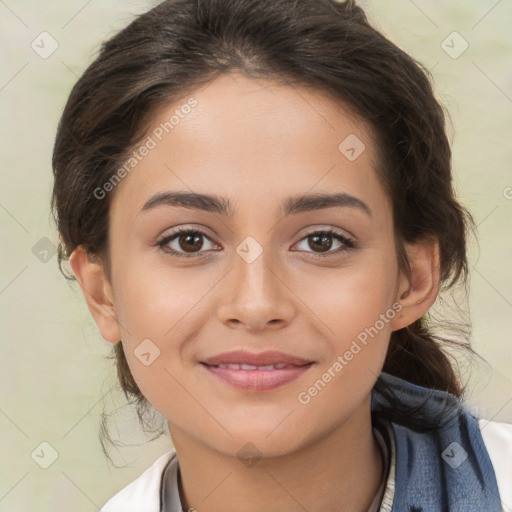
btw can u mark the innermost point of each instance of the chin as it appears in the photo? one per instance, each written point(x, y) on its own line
point(250, 447)
point(265, 439)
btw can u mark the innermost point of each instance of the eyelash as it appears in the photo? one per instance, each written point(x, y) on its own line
point(347, 242)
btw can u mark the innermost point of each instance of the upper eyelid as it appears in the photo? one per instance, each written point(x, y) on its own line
point(179, 231)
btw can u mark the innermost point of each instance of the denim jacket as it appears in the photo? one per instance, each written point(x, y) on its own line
point(442, 463)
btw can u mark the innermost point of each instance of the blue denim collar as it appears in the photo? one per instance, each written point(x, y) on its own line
point(442, 464)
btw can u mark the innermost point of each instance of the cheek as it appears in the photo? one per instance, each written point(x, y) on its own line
point(358, 318)
point(356, 306)
point(351, 298)
point(156, 300)
point(159, 309)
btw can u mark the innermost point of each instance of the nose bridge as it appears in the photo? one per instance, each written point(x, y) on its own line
point(256, 295)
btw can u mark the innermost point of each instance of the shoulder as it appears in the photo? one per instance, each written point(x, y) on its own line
point(498, 442)
point(143, 494)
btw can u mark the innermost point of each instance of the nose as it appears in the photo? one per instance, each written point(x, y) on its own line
point(255, 295)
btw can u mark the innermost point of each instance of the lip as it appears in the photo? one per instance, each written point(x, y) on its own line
point(257, 379)
point(269, 357)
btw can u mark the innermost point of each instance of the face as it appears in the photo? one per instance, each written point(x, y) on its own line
point(255, 269)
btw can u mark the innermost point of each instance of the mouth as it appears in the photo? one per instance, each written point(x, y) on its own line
point(256, 372)
point(251, 367)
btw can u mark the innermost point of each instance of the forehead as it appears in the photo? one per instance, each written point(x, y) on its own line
point(256, 141)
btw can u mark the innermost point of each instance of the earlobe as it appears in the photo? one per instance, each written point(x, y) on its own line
point(417, 295)
point(97, 292)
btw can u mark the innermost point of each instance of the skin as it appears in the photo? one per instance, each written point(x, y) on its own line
point(257, 144)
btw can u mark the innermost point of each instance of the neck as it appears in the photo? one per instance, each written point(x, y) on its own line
point(341, 471)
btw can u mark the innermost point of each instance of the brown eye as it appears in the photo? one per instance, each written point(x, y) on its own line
point(321, 243)
point(190, 242)
point(185, 242)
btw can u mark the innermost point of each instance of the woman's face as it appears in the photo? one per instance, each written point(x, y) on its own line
point(261, 275)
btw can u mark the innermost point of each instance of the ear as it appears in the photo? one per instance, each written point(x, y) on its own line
point(417, 295)
point(97, 292)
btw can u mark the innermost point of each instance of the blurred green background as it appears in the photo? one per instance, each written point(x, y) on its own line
point(55, 375)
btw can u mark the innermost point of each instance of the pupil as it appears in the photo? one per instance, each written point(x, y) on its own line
point(322, 239)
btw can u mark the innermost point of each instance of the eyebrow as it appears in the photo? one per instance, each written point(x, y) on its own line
point(223, 206)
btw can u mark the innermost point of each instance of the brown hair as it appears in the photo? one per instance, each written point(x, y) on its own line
point(323, 44)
